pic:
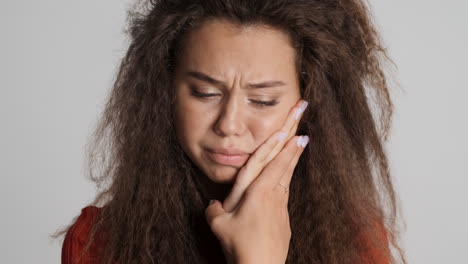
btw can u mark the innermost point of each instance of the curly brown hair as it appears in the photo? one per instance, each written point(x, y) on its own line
point(153, 209)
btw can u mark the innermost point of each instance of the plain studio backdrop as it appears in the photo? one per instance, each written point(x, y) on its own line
point(58, 60)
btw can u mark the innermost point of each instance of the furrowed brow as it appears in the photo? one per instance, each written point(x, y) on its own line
point(206, 78)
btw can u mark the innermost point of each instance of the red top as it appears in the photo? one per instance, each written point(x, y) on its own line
point(77, 236)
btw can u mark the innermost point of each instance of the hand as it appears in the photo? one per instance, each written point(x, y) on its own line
point(257, 229)
point(263, 155)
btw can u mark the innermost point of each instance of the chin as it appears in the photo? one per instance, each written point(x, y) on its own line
point(223, 175)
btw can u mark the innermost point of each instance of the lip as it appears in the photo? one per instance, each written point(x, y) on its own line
point(228, 156)
point(229, 151)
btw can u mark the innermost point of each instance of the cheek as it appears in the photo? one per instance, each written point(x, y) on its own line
point(263, 126)
point(192, 121)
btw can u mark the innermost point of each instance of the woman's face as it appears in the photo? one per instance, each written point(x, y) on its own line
point(234, 88)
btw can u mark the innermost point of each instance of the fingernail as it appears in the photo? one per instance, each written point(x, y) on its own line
point(304, 105)
point(299, 141)
point(211, 202)
point(301, 109)
point(298, 113)
point(305, 141)
point(282, 136)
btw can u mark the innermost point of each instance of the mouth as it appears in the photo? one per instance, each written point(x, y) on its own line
point(223, 158)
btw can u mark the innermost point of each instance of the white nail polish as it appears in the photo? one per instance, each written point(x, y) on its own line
point(301, 109)
point(299, 141)
point(298, 113)
point(304, 105)
point(305, 141)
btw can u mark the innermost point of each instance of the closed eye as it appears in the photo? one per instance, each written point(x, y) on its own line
point(264, 103)
point(203, 95)
point(260, 103)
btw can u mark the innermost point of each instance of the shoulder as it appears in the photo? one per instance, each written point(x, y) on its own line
point(376, 244)
point(80, 229)
point(78, 234)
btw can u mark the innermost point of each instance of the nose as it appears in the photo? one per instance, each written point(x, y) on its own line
point(231, 118)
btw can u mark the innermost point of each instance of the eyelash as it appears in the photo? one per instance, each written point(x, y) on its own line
point(260, 103)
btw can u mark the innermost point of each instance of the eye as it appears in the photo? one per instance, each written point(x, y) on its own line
point(259, 103)
point(264, 103)
point(196, 93)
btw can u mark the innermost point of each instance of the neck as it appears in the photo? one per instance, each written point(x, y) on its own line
point(213, 190)
point(210, 190)
point(209, 246)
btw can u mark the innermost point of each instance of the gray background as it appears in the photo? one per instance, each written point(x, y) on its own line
point(58, 60)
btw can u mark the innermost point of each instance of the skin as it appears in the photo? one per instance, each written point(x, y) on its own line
point(258, 230)
point(253, 221)
point(235, 56)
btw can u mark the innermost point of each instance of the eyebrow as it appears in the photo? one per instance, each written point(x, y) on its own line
point(204, 77)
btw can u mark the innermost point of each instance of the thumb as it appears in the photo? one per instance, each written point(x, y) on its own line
point(214, 209)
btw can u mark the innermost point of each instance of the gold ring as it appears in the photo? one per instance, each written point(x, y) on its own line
point(285, 188)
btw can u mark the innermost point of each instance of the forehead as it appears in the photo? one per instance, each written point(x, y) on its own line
point(223, 48)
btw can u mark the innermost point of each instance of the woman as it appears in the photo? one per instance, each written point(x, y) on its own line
point(262, 107)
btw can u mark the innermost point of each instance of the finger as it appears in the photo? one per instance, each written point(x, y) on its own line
point(287, 176)
point(251, 169)
point(266, 154)
point(297, 117)
point(213, 211)
point(272, 173)
point(263, 155)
